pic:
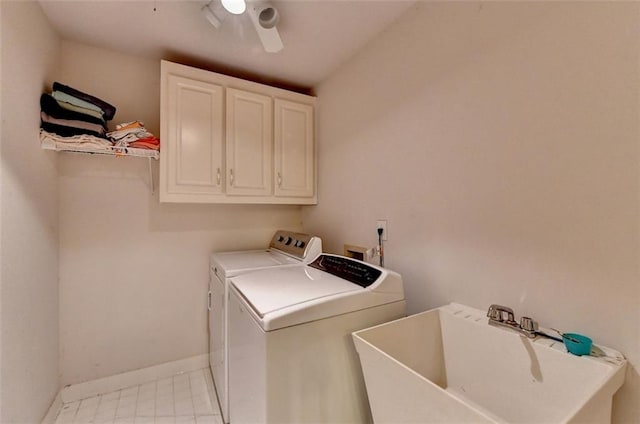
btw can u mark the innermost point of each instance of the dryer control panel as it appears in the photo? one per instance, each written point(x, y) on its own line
point(346, 268)
point(302, 246)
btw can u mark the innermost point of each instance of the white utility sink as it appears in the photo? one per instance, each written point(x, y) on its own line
point(449, 365)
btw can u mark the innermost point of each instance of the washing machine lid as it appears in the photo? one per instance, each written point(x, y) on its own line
point(276, 289)
point(229, 264)
point(283, 297)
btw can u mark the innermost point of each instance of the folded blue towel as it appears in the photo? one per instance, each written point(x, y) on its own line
point(51, 107)
point(108, 110)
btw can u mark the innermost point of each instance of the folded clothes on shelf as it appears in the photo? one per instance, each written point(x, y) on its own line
point(85, 143)
point(84, 111)
point(75, 124)
point(68, 112)
point(134, 134)
point(73, 120)
point(77, 97)
point(79, 141)
point(55, 109)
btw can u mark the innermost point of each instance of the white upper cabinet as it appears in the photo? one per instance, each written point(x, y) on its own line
point(294, 149)
point(227, 140)
point(249, 141)
point(191, 153)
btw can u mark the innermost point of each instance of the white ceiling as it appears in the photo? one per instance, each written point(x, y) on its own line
point(318, 35)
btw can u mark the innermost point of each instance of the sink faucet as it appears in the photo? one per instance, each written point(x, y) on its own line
point(502, 316)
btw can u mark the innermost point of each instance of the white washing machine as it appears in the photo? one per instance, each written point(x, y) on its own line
point(286, 249)
point(291, 355)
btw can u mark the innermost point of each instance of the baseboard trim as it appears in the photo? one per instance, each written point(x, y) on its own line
point(132, 378)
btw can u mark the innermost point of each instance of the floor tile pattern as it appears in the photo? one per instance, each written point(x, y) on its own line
point(182, 399)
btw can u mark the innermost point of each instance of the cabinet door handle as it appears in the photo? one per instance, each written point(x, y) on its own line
point(209, 300)
point(279, 179)
point(218, 176)
point(231, 177)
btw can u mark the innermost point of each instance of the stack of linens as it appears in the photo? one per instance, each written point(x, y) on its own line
point(133, 135)
point(71, 118)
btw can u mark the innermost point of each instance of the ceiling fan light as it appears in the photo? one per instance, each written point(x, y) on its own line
point(237, 7)
point(268, 17)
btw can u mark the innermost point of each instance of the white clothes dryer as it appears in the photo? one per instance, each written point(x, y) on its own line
point(291, 355)
point(286, 249)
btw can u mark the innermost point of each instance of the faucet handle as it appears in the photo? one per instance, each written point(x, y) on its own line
point(494, 314)
point(498, 312)
point(528, 324)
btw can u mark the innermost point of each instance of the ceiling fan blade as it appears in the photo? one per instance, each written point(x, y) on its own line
point(270, 39)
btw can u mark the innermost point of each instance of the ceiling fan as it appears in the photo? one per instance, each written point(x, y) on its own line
point(263, 15)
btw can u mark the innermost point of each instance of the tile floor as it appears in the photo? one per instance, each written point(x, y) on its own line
point(182, 399)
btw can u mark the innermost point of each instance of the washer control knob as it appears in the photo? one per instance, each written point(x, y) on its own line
point(288, 241)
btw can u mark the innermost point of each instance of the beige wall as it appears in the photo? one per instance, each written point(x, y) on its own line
point(29, 219)
point(133, 272)
point(500, 141)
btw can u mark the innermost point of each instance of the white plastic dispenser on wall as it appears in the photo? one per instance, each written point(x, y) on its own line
point(362, 253)
point(357, 252)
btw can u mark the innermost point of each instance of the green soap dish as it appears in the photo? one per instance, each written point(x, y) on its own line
point(577, 343)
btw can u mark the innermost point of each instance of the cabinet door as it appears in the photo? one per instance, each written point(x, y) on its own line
point(249, 143)
point(294, 149)
point(194, 140)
